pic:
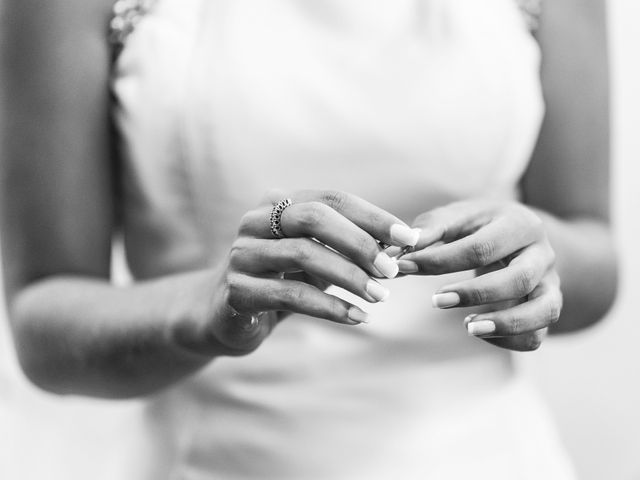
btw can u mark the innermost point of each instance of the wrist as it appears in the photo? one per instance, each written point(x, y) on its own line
point(201, 322)
point(192, 310)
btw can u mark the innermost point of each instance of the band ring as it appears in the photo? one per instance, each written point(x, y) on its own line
point(253, 323)
point(249, 322)
point(275, 220)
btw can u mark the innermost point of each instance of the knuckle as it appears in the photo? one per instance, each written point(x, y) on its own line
point(301, 253)
point(525, 281)
point(314, 214)
point(234, 291)
point(291, 297)
point(526, 219)
point(334, 198)
point(535, 221)
point(554, 309)
point(553, 278)
point(560, 302)
point(235, 253)
point(551, 254)
point(532, 342)
point(238, 250)
point(482, 252)
point(477, 296)
point(433, 263)
point(273, 195)
point(422, 219)
point(514, 325)
point(246, 221)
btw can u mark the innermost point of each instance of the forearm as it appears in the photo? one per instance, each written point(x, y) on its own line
point(85, 336)
point(587, 266)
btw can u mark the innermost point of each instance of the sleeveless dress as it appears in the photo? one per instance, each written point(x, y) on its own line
point(409, 104)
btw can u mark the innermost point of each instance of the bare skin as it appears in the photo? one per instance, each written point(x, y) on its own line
point(78, 333)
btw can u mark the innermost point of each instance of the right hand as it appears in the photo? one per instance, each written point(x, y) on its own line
point(332, 238)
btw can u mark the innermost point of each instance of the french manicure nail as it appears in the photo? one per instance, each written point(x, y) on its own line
point(481, 327)
point(386, 265)
point(377, 291)
point(445, 300)
point(407, 266)
point(357, 315)
point(403, 235)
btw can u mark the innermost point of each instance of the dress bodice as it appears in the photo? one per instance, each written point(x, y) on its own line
point(409, 104)
point(439, 98)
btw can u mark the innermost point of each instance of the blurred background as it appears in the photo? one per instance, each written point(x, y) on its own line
point(591, 380)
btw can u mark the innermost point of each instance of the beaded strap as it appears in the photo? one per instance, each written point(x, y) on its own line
point(531, 9)
point(126, 15)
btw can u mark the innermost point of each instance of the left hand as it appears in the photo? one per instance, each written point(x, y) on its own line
point(507, 243)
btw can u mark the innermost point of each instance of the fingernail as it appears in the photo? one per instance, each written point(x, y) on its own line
point(468, 318)
point(357, 315)
point(377, 291)
point(403, 235)
point(385, 265)
point(481, 327)
point(407, 266)
point(445, 300)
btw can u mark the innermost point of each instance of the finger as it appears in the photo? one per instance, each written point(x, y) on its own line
point(247, 293)
point(258, 256)
point(374, 220)
point(527, 342)
point(493, 242)
point(517, 280)
point(318, 220)
point(541, 310)
point(452, 221)
point(305, 277)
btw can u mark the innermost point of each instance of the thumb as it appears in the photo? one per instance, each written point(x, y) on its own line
point(451, 222)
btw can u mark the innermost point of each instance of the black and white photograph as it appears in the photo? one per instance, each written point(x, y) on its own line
point(319, 239)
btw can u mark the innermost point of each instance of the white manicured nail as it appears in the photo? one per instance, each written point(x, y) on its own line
point(386, 265)
point(407, 266)
point(357, 315)
point(481, 327)
point(377, 291)
point(445, 300)
point(404, 235)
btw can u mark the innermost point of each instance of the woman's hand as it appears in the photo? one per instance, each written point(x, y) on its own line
point(330, 238)
point(508, 245)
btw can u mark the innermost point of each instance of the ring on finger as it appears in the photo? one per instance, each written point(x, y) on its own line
point(249, 322)
point(275, 219)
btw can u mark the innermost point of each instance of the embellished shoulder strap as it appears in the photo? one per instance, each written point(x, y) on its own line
point(531, 10)
point(126, 15)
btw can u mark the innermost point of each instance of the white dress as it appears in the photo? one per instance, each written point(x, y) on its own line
point(407, 103)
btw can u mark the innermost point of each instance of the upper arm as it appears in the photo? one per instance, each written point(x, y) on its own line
point(569, 171)
point(56, 196)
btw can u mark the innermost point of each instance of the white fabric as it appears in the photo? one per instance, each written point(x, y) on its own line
point(409, 104)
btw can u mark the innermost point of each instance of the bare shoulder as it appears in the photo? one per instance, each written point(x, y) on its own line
point(569, 172)
point(55, 195)
point(565, 21)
